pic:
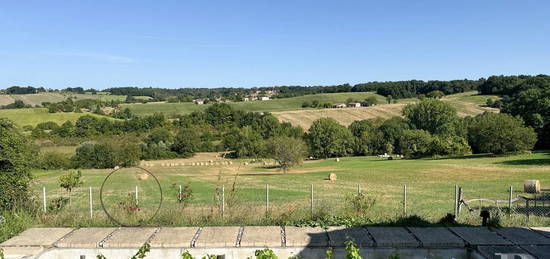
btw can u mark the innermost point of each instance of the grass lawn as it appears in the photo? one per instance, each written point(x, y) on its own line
point(23, 117)
point(430, 183)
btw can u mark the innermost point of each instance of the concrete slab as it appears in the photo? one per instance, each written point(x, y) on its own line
point(218, 237)
point(261, 237)
point(22, 252)
point(522, 236)
point(174, 237)
point(338, 235)
point(479, 236)
point(545, 231)
point(437, 237)
point(392, 237)
point(129, 237)
point(37, 237)
point(85, 237)
point(305, 237)
point(538, 251)
point(500, 251)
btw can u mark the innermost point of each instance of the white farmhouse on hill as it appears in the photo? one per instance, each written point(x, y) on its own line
point(339, 105)
point(354, 104)
point(265, 98)
point(199, 101)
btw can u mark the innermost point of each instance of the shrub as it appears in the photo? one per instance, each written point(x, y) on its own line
point(449, 145)
point(57, 204)
point(359, 202)
point(53, 160)
point(414, 143)
point(15, 221)
point(287, 151)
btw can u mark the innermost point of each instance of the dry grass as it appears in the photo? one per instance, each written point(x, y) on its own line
point(467, 104)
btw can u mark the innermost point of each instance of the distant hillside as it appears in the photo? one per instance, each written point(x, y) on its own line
point(466, 104)
point(284, 104)
point(23, 117)
point(38, 99)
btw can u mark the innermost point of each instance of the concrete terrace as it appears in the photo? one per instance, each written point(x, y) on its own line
point(305, 242)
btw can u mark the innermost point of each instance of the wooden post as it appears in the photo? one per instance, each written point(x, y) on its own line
point(223, 201)
point(267, 199)
point(460, 198)
point(311, 202)
point(44, 198)
point(137, 197)
point(358, 189)
point(405, 199)
point(456, 200)
point(91, 204)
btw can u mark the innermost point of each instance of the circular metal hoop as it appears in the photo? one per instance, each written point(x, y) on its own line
point(111, 217)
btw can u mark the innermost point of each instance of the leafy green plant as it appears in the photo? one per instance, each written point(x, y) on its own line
point(142, 252)
point(329, 254)
point(394, 255)
point(129, 204)
point(58, 204)
point(100, 256)
point(70, 181)
point(186, 255)
point(265, 254)
point(359, 202)
point(352, 252)
point(2, 254)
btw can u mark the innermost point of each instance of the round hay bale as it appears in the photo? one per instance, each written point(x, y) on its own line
point(531, 186)
point(230, 162)
point(332, 177)
point(337, 159)
point(117, 167)
point(143, 176)
point(245, 163)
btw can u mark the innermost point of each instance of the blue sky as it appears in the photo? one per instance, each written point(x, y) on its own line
point(101, 44)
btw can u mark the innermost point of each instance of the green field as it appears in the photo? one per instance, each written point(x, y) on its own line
point(284, 104)
point(38, 99)
point(23, 117)
point(430, 184)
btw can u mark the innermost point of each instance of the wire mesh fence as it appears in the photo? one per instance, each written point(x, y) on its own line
point(291, 202)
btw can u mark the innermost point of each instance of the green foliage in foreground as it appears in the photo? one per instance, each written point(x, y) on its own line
point(15, 163)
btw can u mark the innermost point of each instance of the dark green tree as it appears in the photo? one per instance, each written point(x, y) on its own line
point(15, 161)
point(186, 143)
point(287, 151)
point(326, 138)
point(434, 116)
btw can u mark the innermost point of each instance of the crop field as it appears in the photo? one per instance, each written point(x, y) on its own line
point(430, 184)
point(285, 104)
point(467, 104)
point(23, 117)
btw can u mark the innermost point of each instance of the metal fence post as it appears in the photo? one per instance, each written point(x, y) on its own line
point(267, 199)
point(91, 204)
point(311, 201)
point(510, 199)
point(137, 197)
point(223, 201)
point(405, 199)
point(460, 198)
point(179, 194)
point(44, 198)
point(358, 189)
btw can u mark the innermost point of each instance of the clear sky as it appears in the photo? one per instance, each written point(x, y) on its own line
point(206, 43)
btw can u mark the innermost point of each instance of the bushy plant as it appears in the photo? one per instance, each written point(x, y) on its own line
point(352, 252)
point(53, 160)
point(265, 254)
point(57, 204)
point(359, 202)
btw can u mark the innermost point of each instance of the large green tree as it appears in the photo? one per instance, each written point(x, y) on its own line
point(326, 138)
point(15, 161)
point(434, 116)
point(499, 133)
point(186, 143)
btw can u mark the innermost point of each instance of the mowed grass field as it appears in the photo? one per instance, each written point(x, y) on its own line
point(430, 184)
point(467, 104)
point(32, 117)
point(38, 99)
point(285, 104)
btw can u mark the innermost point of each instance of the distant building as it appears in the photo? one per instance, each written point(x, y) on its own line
point(265, 98)
point(354, 104)
point(199, 101)
point(246, 99)
point(339, 105)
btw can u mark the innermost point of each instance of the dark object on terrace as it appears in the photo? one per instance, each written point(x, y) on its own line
point(485, 214)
